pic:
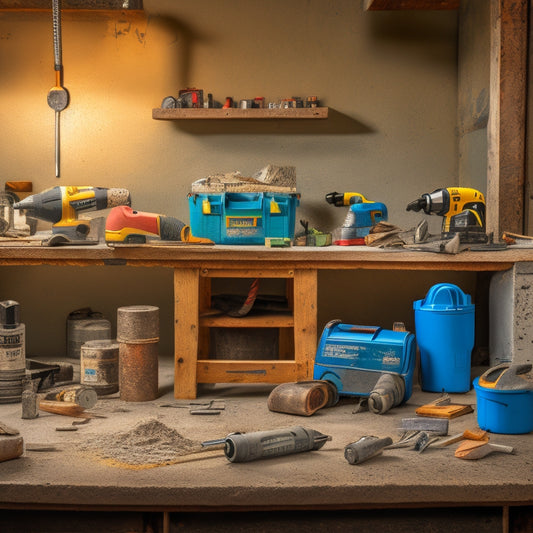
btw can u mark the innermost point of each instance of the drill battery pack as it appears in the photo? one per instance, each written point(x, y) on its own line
point(354, 357)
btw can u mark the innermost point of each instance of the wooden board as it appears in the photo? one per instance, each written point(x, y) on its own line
point(507, 117)
point(305, 321)
point(186, 329)
point(237, 113)
point(273, 371)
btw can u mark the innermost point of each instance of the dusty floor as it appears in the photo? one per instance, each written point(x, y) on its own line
point(73, 475)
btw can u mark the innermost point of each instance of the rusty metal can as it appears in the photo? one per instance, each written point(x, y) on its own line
point(138, 324)
point(138, 371)
point(99, 366)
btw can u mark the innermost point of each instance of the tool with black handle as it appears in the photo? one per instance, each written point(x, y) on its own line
point(243, 447)
point(58, 97)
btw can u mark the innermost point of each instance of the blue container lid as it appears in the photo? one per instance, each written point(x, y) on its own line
point(444, 297)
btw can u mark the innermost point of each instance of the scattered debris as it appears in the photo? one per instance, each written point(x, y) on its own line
point(149, 444)
point(199, 408)
point(33, 447)
point(271, 178)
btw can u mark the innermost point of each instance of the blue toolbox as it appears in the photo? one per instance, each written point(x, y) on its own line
point(354, 358)
point(243, 218)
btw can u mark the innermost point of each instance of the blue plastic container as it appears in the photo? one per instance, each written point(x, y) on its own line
point(243, 218)
point(504, 411)
point(444, 325)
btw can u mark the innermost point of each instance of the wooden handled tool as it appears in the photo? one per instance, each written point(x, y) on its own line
point(82, 395)
point(62, 408)
point(470, 449)
point(469, 434)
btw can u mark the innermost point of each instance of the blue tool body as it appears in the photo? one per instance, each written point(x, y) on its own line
point(353, 357)
point(362, 216)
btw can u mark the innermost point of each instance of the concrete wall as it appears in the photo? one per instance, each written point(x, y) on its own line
point(389, 79)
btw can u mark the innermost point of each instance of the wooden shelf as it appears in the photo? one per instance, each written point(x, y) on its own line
point(389, 5)
point(263, 320)
point(237, 113)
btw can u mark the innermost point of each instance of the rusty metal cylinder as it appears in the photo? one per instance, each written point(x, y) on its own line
point(99, 366)
point(138, 324)
point(138, 372)
point(138, 337)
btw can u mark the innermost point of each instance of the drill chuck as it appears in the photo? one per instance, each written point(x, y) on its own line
point(419, 204)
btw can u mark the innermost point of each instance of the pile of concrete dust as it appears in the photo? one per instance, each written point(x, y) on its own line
point(149, 444)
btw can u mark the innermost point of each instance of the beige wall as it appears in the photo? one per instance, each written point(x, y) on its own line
point(389, 79)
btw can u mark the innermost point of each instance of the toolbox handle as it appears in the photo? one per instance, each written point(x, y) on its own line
point(364, 329)
point(370, 330)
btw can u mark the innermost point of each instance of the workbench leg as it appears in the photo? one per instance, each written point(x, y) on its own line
point(510, 325)
point(305, 322)
point(186, 328)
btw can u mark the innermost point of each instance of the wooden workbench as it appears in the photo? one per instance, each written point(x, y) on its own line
point(195, 265)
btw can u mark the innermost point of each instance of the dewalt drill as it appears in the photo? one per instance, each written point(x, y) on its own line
point(463, 210)
point(61, 205)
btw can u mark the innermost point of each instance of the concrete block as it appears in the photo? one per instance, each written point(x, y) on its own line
point(511, 315)
point(30, 404)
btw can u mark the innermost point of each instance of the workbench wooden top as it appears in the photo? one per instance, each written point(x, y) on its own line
point(223, 256)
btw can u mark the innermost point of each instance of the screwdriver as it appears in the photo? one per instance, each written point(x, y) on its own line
point(242, 447)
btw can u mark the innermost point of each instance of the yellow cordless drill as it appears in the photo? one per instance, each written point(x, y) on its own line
point(61, 205)
point(463, 210)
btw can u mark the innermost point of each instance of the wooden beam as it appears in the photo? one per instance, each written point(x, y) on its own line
point(390, 5)
point(507, 117)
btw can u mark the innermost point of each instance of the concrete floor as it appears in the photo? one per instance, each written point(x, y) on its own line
point(70, 479)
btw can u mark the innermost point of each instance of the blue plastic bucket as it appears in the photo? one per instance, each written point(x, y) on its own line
point(444, 325)
point(504, 411)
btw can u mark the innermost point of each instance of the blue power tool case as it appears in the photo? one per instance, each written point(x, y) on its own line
point(243, 218)
point(354, 357)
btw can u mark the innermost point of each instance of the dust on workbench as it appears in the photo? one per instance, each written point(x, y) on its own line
point(148, 444)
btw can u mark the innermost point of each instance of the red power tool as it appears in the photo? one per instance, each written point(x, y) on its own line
point(127, 226)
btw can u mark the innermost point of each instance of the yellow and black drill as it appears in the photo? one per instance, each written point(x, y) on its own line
point(61, 205)
point(463, 210)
